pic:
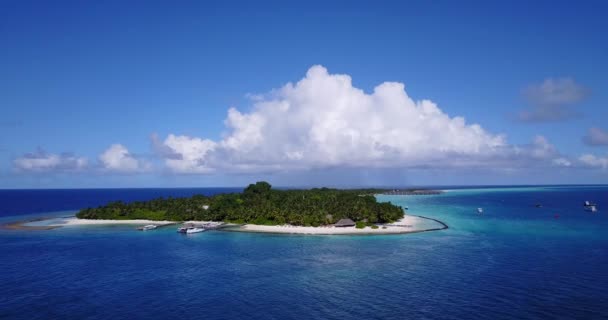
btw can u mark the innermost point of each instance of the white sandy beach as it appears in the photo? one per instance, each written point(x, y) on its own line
point(406, 225)
point(73, 221)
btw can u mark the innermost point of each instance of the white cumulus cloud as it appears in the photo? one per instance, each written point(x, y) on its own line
point(541, 148)
point(593, 161)
point(184, 154)
point(41, 161)
point(562, 162)
point(324, 121)
point(117, 158)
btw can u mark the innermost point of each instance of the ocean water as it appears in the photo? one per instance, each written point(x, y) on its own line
point(516, 261)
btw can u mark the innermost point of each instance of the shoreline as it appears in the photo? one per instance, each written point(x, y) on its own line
point(408, 224)
point(73, 221)
point(49, 223)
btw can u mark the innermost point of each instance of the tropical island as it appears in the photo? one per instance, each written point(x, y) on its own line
point(261, 205)
point(259, 208)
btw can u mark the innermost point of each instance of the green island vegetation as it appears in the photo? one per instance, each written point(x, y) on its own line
point(259, 204)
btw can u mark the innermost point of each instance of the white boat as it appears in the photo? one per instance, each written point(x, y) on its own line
point(589, 204)
point(479, 210)
point(182, 230)
point(147, 227)
point(591, 208)
point(194, 230)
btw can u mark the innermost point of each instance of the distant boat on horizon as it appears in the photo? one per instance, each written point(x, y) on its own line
point(480, 210)
point(590, 206)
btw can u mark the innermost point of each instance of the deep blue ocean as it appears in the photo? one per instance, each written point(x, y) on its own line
point(516, 261)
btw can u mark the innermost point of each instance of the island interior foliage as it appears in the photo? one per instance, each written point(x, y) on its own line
point(258, 204)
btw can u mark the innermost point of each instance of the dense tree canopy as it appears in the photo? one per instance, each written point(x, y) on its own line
point(258, 204)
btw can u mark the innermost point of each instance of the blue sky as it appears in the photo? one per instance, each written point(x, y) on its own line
point(78, 77)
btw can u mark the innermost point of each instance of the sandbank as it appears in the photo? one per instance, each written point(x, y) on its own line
point(73, 221)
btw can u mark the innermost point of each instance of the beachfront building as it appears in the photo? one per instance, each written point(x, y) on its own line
point(345, 223)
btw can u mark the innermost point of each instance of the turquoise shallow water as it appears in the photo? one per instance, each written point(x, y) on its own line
point(515, 261)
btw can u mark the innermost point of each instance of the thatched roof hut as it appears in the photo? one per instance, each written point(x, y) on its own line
point(345, 223)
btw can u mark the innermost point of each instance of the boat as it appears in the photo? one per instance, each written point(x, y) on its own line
point(194, 230)
point(591, 208)
point(538, 205)
point(147, 227)
point(588, 204)
point(190, 229)
point(479, 210)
